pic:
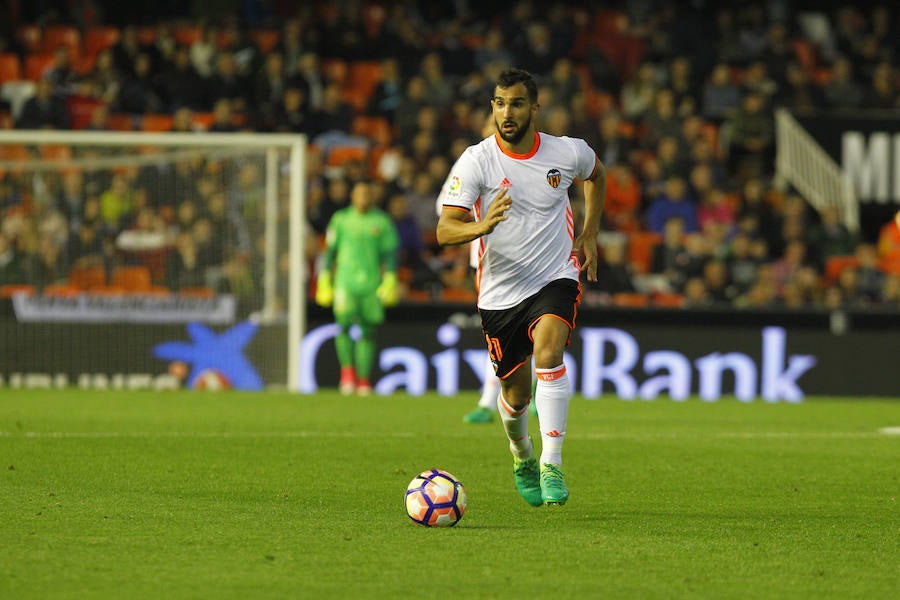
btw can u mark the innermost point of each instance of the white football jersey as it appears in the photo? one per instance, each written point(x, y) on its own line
point(534, 245)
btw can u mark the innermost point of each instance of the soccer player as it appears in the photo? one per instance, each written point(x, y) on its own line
point(358, 276)
point(529, 266)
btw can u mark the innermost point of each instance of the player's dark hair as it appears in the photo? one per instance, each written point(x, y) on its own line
point(511, 77)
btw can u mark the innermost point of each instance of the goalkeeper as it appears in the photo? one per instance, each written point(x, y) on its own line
point(358, 277)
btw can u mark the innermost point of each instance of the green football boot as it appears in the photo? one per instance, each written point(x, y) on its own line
point(553, 487)
point(481, 414)
point(528, 480)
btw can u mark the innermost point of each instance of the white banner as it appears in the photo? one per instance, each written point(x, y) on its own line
point(86, 308)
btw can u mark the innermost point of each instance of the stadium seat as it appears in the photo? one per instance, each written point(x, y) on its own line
point(339, 155)
point(187, 35)
point(87, 278)
point(106, 290)
point(132, 279)
point(362, 77)
point(667, 300)
point(10, 68)
point(630, 300)
point(97, 39)
point(14, 152)
point(459, 296)
point(12, 289)
point(120, 122)
point(156, 122)
point(36, 65)
point(62, 35)
point(265, 39)
point(61, 291)
point(80, 110)
point(376, 129)
point(835, 264)
point(55, 152)
point(640, 249)
point(196, 292)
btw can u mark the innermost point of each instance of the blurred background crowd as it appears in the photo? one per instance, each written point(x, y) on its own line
point(676, 98)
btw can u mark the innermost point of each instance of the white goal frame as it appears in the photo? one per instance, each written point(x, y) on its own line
point(295, 144)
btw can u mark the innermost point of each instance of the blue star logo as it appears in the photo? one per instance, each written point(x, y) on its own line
point(209, 352)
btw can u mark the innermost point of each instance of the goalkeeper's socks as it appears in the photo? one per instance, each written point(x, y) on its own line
point(515, 422)
point(553, 409)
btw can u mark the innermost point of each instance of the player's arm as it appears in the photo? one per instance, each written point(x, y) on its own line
point(458, 226)
point(594, 199)
point(388, 291)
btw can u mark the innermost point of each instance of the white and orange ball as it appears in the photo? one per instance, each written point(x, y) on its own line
point(435, 498)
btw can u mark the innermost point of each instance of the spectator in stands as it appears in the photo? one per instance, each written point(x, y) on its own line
point(660, 121)
point(105, 77)
point(890, 292)
point(673, 202)
point(639, 92)
point(334, 117)
point(683, 87)
point(882, 92)
point(614, 273)
point(236, 40)
point(696, 294)
point(612, 145)
point(69, 198)
point(125, 52)
point(715, 279)
point(757, 81)
point(762, 293)
point(388, 92)
point(716, 215)
point(720, 97)
point(741, 265)
point(842, 90)
point(203, 51)
point(183, 267)
point(870, 277)
point(493, 49)
point(44, 110)
point(292, 44)
point(798, 92)
point(237, 281)
point(830, 237)
point(116, 203)
point(309, 77)
point(291, 114)
point(227, 83)
point(60, 73)
point(752, 137)
point(786, 267)
point(667, 255)
point(223, 118)
point(179, 84)
point(85, 248)
point(11, 270)
point(439, 90)
point(623, 199)
point(138, 94)
point(672, 163)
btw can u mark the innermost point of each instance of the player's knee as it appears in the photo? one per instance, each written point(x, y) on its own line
point(547, 357)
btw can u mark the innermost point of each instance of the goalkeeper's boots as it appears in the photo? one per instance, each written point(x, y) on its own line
point(528, 480)
point(363, 387)
point(481, 414)
point(553, 485)
point(348, 380)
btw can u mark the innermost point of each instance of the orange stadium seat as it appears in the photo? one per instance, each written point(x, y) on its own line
point(265, 39)
point(339, 155)
point(99, 38)
point(56, 152)
point(61, 291)
point(187, 35)
point(835, 264)
point(196, 292)
point(10, 68)
point(120, 122)
point(376, 129)
point(132, 279)
point(630, 300)
point(12, 289)
point(157, 122)
point(62, 35)
point(668, 300)
point(640, 249)
point(36, 65)
point(87, 278)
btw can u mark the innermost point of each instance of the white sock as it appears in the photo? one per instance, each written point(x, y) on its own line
point(552, 396)
point(491, 387)
point(515, 423)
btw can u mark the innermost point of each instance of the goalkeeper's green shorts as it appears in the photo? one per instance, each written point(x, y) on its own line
point(362, 309)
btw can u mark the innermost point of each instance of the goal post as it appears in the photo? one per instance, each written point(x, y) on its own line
point(268, 169)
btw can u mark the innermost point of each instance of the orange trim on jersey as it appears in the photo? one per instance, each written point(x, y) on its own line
point(453, 206)
point(529, 154)
point(550, 374)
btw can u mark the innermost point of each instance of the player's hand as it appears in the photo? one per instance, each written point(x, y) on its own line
point(387, 292)
point(324, 289)
point(497, 211)
point(586, 244)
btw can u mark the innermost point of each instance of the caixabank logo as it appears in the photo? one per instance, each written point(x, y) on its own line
point(213, 360)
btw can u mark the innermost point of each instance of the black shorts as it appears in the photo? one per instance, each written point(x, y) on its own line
point(508, 331)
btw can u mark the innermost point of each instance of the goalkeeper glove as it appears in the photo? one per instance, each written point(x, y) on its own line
point(324, 289)
point(387, 292)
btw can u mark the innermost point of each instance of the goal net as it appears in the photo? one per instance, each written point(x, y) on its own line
point(152, 259)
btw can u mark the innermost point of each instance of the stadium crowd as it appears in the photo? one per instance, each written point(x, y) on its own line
point(678, 103)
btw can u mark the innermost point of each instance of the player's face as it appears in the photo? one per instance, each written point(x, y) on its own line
point(513, 113)
point(361, 197)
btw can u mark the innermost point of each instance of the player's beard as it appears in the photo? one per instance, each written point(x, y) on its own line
point(517, 136)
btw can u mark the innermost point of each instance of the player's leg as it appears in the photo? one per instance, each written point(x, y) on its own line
point(371, 315)
point(344, 316)
point(515, 423)
point(551, 332)
point(487, 404)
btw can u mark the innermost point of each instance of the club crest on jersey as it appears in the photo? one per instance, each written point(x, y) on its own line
point(554, 177)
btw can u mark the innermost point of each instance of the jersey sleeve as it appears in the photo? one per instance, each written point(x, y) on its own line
point(463, 185)
point(586, 161)
point(388, 245)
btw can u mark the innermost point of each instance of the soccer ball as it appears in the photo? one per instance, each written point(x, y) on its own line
point(435, 498)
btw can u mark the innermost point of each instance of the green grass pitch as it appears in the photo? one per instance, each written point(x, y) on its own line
point(232, 495)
